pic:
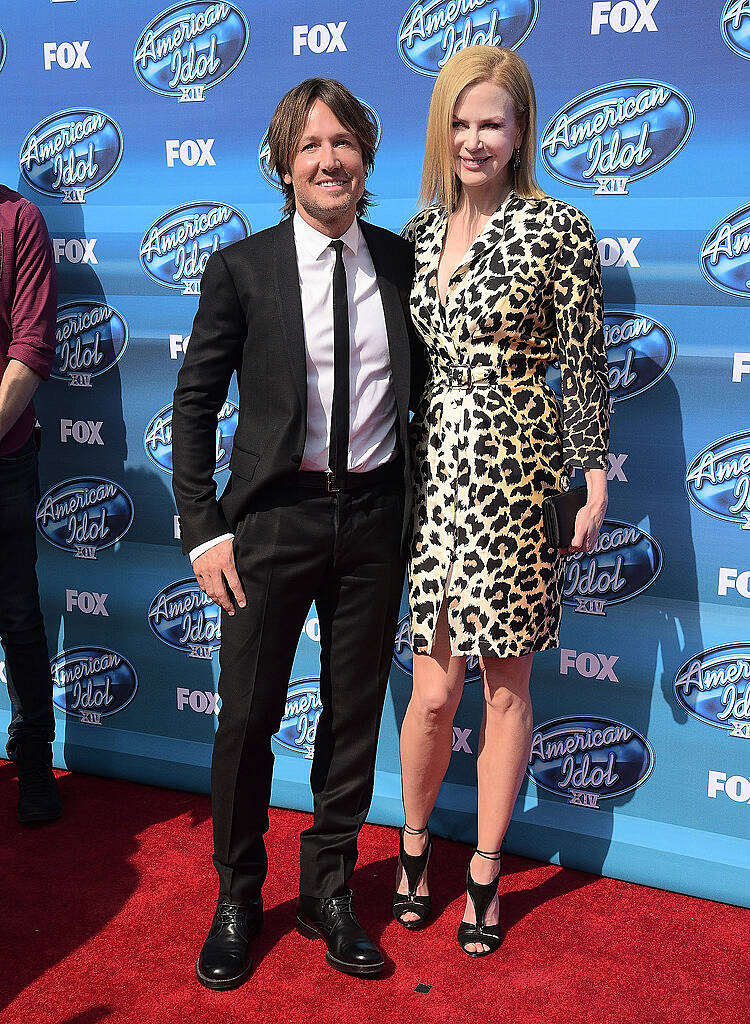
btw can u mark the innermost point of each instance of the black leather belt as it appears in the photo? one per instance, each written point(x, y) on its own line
point(324, 483)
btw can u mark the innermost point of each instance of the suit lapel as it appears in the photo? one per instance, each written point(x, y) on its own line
point(395, 323)
point(290, 305)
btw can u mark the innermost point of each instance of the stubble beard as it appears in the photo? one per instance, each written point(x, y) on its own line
point(329, 215)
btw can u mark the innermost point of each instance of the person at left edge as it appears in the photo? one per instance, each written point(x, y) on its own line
point(28, 310)
point(312, 315)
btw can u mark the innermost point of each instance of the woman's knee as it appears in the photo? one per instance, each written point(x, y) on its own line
point(434, 700)
point(508, 703)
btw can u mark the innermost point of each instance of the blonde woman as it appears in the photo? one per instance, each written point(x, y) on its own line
point(507, 281)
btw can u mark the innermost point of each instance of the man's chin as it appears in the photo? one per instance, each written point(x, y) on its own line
point(332, 212)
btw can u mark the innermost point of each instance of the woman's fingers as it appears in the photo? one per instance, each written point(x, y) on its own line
point(586, 534)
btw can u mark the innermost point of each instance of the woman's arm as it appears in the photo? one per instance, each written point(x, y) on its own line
point(583, 365)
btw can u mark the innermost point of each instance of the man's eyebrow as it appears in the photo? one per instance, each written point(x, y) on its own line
point(310, 137)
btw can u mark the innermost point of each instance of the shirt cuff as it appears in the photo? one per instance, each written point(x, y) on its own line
point(32, 354)
point(197, 552)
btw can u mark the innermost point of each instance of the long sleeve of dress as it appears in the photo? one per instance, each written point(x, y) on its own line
point(580, 339)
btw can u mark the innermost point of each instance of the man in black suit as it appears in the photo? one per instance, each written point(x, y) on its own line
point(313, 316)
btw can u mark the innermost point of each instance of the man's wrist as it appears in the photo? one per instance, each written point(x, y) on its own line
point(207, 545)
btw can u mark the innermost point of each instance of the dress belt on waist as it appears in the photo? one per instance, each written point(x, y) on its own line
point(458, 375)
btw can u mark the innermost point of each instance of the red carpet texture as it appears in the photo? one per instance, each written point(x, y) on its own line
point(104, 913)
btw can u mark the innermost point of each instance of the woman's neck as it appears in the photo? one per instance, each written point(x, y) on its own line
point(477, 204)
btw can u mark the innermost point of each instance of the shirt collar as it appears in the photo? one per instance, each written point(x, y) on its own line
point(315, 243)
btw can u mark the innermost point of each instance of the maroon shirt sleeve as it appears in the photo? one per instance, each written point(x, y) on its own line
point(34, 310)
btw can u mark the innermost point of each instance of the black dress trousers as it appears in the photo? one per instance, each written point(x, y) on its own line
point(21, 623)
point(342, 550)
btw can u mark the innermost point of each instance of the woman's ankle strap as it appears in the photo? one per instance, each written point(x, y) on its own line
point(493, 855)
point(414, 831)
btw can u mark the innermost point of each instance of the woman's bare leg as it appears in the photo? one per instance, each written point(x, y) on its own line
point(503, 754)
point(427, 738)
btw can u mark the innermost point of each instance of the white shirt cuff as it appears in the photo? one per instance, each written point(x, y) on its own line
point(196, 552)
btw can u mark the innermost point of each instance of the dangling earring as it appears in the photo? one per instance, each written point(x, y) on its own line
point(516, 160)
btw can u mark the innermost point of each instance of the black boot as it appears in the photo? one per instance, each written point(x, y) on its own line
point(349, 948)
point(225, 959)
point(38, 796)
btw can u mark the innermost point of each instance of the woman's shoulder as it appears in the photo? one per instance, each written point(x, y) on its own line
point(422, 223)
point(562, 218)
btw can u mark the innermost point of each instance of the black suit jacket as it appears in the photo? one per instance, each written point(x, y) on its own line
point(249, 319)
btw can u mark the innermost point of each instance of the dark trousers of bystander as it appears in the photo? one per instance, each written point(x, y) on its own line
point(21, 624)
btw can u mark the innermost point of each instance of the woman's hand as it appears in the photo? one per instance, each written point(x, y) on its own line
point(590, 518)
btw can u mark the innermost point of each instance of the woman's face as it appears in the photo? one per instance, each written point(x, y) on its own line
point(484, 134)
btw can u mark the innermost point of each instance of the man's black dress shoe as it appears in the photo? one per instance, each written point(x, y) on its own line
point(349, 949)
point(38, 796)
point(225, 961)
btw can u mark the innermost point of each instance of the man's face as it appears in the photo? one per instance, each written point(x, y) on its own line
point(327, 172)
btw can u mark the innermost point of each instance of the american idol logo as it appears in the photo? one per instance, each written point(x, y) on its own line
point(264, 150)
point(190, 48)
point(90, 683)
point(589, 759)
point(301, 713)
point(176, 248)
point(735, 26)
point(157, 438)
point(90, 337)
point(640, 352)
point(433, 30)
point(403, 659)
point(71, 153)
point(714, 687)
point(616, 134)
point(3, 49)
point(725, 254)
point(84, 515)
point(625, 562)
point(185, 618)
point(718, 479)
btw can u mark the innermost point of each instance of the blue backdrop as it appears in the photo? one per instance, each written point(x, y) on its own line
point(140, 132)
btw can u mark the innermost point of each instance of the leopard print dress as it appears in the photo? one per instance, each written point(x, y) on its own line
point(488, 438)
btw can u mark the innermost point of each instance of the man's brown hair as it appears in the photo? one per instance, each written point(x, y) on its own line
point(288, 124)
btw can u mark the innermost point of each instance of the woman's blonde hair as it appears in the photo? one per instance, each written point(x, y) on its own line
point(503, 67)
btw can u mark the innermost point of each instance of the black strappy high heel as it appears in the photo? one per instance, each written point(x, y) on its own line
point(413, 868)
point(481, 896)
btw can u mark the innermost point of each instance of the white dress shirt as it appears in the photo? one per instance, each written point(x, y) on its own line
point(372, 403)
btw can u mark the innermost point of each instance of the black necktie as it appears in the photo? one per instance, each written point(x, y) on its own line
point(339, 442)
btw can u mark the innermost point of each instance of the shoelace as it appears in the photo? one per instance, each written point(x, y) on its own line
point(229, 913)
point(341, 905)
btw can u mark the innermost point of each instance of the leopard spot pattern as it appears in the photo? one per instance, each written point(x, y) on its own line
point(489, 439)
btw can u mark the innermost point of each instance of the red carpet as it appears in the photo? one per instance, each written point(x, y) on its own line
point(105, 910)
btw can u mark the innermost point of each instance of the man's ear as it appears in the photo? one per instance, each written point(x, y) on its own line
point(287, 178)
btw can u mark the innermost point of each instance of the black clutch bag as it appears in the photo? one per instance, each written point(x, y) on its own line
point(559, 512)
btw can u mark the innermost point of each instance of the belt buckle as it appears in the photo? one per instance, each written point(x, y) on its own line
point(461, 376)
point(332, 485)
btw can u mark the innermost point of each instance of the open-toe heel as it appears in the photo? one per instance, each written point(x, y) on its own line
point(413, 868)
point(481, 896)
